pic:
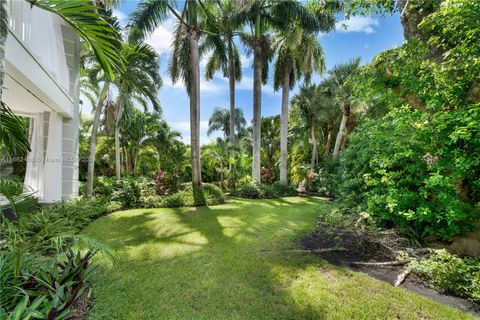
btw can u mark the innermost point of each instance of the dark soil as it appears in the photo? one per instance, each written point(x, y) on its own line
point(363, 249)
point(81, 307)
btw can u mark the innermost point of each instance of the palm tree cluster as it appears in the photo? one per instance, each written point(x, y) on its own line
point(122, 77)
point(320, 110)
point(268, 29)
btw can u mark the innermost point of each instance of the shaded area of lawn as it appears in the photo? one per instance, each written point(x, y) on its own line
point(229, 262)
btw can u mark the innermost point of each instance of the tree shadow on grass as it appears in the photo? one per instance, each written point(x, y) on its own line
point(192, 263)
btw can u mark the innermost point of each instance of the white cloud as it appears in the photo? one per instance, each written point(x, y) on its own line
point(247, 61)
point(357, 24)
point(184, 128)
point(185, 125)
point(122, 17)
point(161, 38)
point(247, 84)
point(205, 86)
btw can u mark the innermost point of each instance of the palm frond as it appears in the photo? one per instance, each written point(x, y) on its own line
point(149, 14)
point(91, 26)
point(12, 133)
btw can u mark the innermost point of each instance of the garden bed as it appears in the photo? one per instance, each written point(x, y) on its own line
point(356, 250)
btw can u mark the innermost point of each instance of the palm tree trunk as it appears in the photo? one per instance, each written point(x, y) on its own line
point(221, 175)
point(93, 137)
point(351, 125)
point(134, 162)
point(257, 112)
point(341, 131)
point(231, 85)
point(118, 116)
point(284, 126)
point(328, 144)
point(195, 110)
point(3, 41)
point(314, 148)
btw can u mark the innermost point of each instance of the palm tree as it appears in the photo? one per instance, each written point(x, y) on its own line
point(307, 108)
point(224, 54)
point(168, 145)
point(260, 15)
point(298, 53)
point(340, 75)
point(102, 97)
point(139, 81)
point(136, 128)
point(221, 120)
point(270, 140)
point(216, 156)
point(95, 76)
point(330, 110)
point(185, 60)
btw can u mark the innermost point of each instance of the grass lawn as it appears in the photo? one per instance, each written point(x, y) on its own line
point(228, 262)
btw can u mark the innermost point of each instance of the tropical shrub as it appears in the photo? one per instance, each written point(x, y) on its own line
point(325, 180)
point(397, 171)
point(414, 162)
point(451, 274)
point(262, 191)
point(127, 191)
point(282, 190)
point(41, 274)
point(187, 197)
point(267, 176)
point(161, 182)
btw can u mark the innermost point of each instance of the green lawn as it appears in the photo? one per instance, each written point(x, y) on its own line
point(227, 262)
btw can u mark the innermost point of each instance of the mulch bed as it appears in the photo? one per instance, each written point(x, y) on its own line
point(358, 247)
point(81, 307)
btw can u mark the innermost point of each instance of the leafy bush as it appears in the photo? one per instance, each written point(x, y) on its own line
point(325, 181)
point(451, 274)
point(127, 191)
point(40, 275)
point(414, 162)
point(396, 171)
point(113, 206)
point(211, 195)
point(262, 191)
point(248, 191)
point(161, 182)
point(282, 190)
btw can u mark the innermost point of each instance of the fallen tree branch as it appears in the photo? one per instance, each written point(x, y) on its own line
point(386, 263)
point(402, 276)
point(333, 249)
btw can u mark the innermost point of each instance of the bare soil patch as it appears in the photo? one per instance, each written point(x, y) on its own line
point(81, 307)
point(359, 252)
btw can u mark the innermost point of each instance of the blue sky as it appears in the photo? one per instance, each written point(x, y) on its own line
point(363, 37)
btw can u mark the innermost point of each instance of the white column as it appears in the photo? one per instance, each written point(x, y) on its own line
point(53, 160)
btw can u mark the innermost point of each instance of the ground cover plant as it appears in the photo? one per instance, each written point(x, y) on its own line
point(264, 191)
point(43, 268)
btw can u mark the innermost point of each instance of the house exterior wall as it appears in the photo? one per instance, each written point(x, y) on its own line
point(37, 40)
point(70, 132)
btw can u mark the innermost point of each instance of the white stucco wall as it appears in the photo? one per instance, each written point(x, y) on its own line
point(34, 85)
